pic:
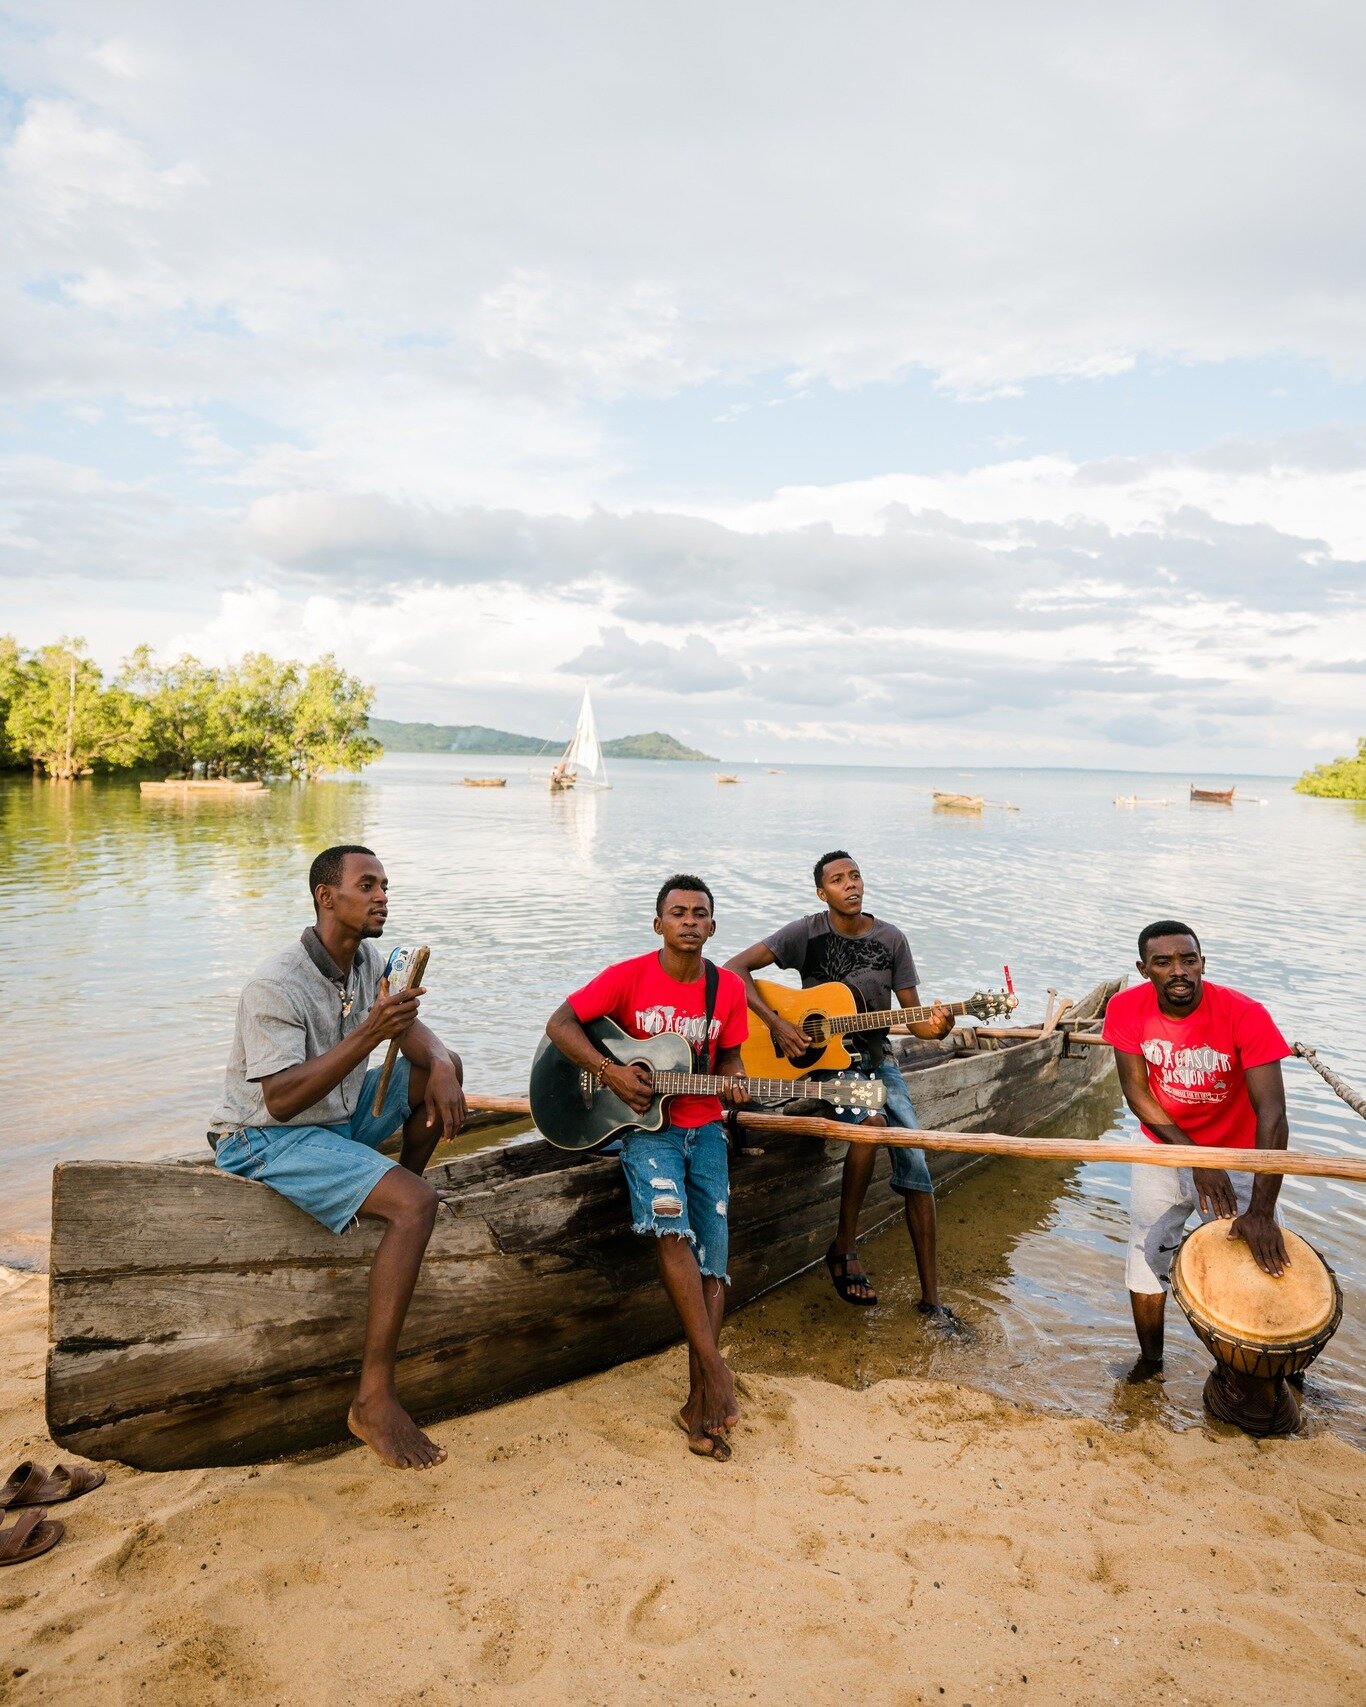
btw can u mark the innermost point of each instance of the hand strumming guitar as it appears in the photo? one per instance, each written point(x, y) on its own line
point(788, 1039)
point(632, 1084)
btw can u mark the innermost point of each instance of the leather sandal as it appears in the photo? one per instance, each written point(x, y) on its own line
point(838, 1264)
point(30, 1537)
point(30, 1484)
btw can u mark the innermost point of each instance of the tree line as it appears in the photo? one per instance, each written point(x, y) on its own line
point(1343, 779)
point(262, 717)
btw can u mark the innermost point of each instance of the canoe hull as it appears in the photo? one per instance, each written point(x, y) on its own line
point(200, 1319)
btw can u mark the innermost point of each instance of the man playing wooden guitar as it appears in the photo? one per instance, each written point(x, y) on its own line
point(678, 1178)
point(845, 945)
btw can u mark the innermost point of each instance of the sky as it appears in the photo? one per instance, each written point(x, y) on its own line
point(867, 384)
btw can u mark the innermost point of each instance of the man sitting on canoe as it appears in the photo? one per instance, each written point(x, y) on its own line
point(679, 1178)
point(1199, 1063)
point(296, 1113)
point(845, 945)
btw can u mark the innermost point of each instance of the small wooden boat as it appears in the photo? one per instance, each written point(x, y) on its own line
point(486, 782)
point(196, 788)
point(1213, 796)
point(199, 1319)
point(946, 802)
point(1133, 800)
point(721, 778)
point(772, 772)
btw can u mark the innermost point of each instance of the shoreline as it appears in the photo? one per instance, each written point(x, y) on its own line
point(916, 1535)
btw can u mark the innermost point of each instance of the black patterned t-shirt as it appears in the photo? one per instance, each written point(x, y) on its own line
point(874, 965)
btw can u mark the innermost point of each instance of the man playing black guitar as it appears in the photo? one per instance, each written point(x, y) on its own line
point(846, 945)
point(678, 1179)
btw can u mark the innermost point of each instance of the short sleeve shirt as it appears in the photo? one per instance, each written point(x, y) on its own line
point(1197, 1066)
point(643, 1000)
point(874, 965)
point(291, 1011)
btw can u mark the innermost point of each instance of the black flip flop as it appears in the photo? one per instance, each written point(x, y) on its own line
point(842, 1278)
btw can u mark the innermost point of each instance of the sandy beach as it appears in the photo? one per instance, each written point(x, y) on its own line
point(913, 1542)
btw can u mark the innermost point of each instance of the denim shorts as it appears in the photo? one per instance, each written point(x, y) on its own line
point(328, 1171)
point(910, 1170)
point(679, 1181)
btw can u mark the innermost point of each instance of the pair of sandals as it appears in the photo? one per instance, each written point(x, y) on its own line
point(32, 1488)
point(844, 1283)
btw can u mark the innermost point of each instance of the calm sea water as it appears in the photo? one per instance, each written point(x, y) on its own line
point(129, 925)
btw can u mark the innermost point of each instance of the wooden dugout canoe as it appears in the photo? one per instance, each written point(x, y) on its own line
point(200, 1319)
point(1213, 796)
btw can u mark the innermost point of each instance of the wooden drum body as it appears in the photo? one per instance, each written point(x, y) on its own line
point(1260, 1328)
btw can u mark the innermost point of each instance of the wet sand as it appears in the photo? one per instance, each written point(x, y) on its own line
point(910, 1542)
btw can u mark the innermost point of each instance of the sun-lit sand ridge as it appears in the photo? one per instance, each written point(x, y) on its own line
point(914, 1538)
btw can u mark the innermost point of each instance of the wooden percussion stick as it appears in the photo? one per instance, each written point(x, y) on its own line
point(416, 967)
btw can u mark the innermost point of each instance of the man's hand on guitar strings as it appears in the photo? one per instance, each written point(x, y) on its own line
point(735, 1092)
point(632, 1084)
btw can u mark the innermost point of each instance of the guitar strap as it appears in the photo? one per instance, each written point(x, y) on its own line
point(701, 1052)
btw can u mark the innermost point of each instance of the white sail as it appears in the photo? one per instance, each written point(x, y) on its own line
point(584, 752)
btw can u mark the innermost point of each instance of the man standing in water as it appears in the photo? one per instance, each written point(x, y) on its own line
point(678, 1179)
point(1199, 1064)
point(843, 944)
point(296, 1113)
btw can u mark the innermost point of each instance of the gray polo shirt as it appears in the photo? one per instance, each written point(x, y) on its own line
point(292, 1011)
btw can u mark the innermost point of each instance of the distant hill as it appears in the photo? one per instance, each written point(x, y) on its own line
point(478, 738)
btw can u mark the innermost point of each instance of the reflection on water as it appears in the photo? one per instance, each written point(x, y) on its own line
point(129, 926)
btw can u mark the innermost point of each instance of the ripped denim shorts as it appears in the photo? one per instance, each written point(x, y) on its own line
point(679, 1180)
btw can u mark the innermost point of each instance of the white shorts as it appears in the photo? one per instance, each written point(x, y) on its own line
point(1161, 1202)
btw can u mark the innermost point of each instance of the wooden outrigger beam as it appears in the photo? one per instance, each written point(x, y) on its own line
point(1036, 1149)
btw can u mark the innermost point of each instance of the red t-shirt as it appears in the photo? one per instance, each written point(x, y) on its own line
point(1197, 1067)
point(641, 997)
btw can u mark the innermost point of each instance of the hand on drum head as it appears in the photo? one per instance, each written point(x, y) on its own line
point(1215, 1191)
point(1263, 1238)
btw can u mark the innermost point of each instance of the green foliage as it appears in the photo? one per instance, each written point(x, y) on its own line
point(655, 745)
point(65, 721)
point(261, 718)
point(1344, 779)
point(330, 718)
point(11, 670)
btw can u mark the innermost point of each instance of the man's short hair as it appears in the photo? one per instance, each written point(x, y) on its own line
point(1165, 927)
point(327, 868)
point(818, 870)
point(683, 880)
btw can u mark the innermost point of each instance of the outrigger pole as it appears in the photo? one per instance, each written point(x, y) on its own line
point(1036, 1149)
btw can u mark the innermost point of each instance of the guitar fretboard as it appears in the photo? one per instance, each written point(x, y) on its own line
point(762, 1090)
point(880, 1018)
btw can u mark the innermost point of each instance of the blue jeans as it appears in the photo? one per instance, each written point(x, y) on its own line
point(679, 1181)
point(910, 1170)
point(327, 1171)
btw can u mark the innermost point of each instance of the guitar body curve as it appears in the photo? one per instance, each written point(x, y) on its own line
point(804, 1009)
point(571, 1120)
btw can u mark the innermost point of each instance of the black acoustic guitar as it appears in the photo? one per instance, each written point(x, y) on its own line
point(574, 1112)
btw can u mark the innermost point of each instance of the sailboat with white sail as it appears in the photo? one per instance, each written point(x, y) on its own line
point(583, 765)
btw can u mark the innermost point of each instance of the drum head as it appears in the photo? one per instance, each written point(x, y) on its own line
point(1221, 1282)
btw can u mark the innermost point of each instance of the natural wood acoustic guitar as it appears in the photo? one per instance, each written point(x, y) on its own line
point(829, 1012)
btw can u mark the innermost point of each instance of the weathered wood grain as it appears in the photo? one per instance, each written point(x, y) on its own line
point(197, 1318)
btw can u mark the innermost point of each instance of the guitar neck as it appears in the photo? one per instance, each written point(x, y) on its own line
point(837, 1024)
point(709, 1084)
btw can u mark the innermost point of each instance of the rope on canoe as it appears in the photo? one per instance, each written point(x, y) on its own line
point(1352, 1098)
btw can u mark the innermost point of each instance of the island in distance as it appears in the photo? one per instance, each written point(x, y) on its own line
point(477, 738)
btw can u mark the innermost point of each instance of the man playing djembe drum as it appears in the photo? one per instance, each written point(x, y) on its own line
point(1199, 1064)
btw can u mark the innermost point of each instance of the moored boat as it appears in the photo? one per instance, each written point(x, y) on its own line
point(485, 782)
point(1213, 796)
point(197, 1318)
point(196, 788)
point(946, 802)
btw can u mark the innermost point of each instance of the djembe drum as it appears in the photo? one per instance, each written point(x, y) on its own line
point(1260, 1328)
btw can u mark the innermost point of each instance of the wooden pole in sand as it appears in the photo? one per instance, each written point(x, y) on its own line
point(1035, 1149)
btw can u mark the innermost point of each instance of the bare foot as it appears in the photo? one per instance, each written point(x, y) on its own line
point(714, 1446)
point(392, 1435)
point(1143, 1370)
